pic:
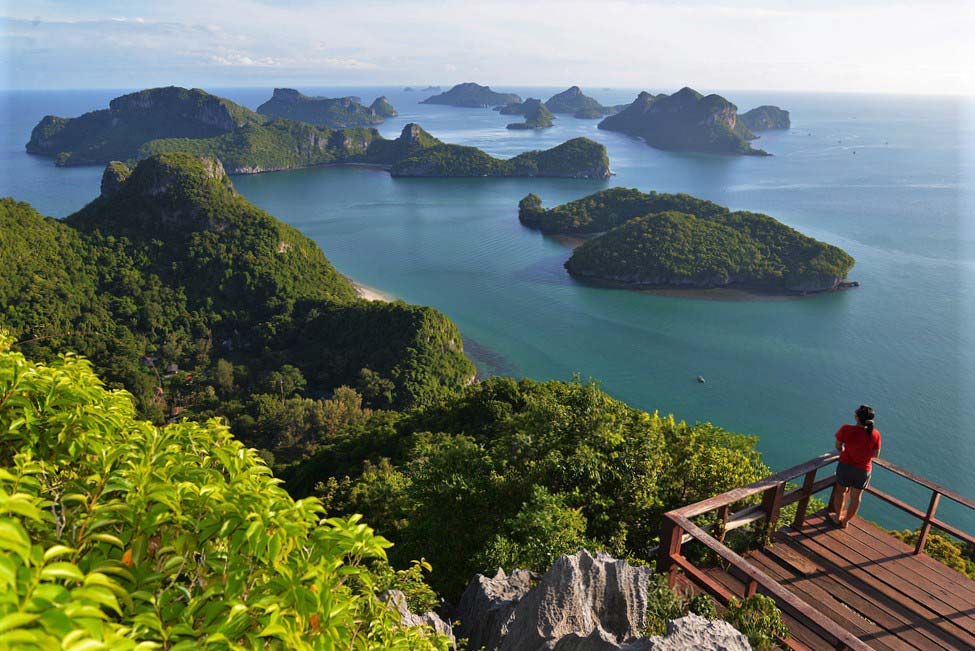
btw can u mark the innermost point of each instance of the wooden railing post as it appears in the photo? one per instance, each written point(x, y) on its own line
point(671, 538)
point(922, 538)
point(772, 504)
point(803, 505)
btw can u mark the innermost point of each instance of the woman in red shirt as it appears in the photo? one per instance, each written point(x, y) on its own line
point(858, 445)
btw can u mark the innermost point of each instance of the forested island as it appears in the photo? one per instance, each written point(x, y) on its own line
point(574, 101)
point(537, 115)
point(766, 117)
point(685, 121)
point(471, 95)
point(646, 240)
point(164, 120)
point(338, 113)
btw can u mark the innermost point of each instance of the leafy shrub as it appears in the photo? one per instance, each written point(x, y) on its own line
point(662, 604)
point(703, 605)
point(759, 619)
point(953, 553)
point(115, 534)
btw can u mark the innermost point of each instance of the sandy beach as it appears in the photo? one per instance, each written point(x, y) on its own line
point(371, 293)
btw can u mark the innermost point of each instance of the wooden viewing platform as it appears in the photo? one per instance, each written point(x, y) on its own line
point(855, 588)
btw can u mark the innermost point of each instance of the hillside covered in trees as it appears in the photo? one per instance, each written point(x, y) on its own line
point(201, 304)
point(335, 112)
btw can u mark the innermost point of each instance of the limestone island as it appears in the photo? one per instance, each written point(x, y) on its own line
point(579, 158)
point(766, 117)
point(381, 107)
point(338, 112)
point(164, 120)
point(431, 89)
point(537, 115)
point(572, 100)
point(471, 95)
point(655, 240)
point(685, 121)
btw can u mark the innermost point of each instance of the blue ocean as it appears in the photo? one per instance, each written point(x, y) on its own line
point(891, 179)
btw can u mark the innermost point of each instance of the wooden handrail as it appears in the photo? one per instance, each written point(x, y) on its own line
point(834, 631)
point(678, 528)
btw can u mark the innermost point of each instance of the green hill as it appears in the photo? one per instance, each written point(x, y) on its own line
point(685, 121)
point(537, 116)
point(576, 158)
point(338, 112)
point(766, 117)
point(607, 209)
point(660, 240)
point(117, 133)
point(172, 269)
point(471, 95)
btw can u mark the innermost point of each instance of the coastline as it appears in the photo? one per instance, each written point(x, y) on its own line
point(371, 293)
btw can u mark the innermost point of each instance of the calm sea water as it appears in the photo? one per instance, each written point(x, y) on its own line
point(889, 179)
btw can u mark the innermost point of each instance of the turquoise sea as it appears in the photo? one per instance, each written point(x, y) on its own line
point(890, 179)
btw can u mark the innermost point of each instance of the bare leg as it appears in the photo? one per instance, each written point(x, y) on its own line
point(839, 498)
point(855, 495)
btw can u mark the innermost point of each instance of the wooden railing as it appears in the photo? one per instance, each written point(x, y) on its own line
point(678, 528)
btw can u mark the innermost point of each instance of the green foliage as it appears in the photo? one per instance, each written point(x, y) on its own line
point(519, 472)
point(419, 596)
point(738, 248)
point(173, 267)
point(703, 605)
point(576, 158)
point(338, 112)
point(759, 619)
point(663, 604)
point(607, 209)
point(950, 551)
point(115, 534)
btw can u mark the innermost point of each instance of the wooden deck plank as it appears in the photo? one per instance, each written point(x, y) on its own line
point(840, 558)
point(912, 579)
point(797, 629)
point(961, 585)
point(830, 605)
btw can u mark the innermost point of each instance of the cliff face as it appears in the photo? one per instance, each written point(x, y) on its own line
point(684, 121)
point(766, 117)
point(116, 133)
point(471, 95)
point(339, 112)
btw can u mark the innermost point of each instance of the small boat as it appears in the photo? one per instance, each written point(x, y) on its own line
point(700, 379)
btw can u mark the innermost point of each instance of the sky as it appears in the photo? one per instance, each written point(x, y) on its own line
point(885, 46)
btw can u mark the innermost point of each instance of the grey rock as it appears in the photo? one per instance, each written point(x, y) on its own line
point(396, 600)
point(115, 174)
point(487, 605)
point(695, 632)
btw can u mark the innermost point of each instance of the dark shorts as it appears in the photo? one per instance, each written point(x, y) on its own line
point(851, 476)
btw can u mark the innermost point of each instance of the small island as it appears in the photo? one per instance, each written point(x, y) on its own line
point(579, 158)
point(471, 95)
point(655, 240)
point(338, 113)
point(685, 121)
point(537, 115)
point(381, 107)
point(766, 117)
point(431, 89)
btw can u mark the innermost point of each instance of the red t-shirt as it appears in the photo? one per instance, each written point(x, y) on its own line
point(858, 446)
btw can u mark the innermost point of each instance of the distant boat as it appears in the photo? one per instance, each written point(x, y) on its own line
point(700, 379)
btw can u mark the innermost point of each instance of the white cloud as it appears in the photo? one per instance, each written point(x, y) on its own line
point(844, 45)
